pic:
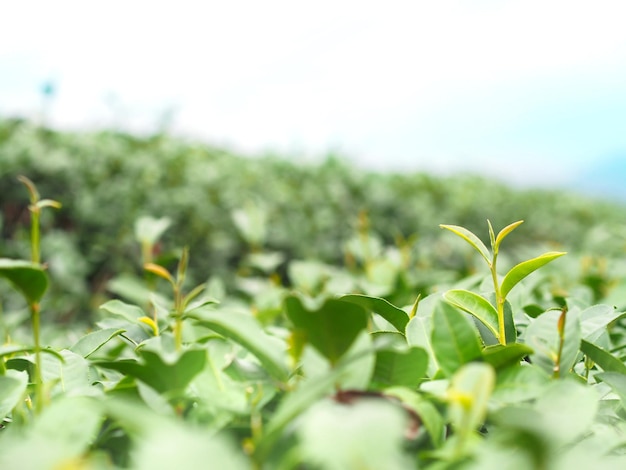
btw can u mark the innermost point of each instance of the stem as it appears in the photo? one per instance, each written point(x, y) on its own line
point(34, 311)
point(499, 300)
point(34, 235)
point(178, 326)
point(561, 329)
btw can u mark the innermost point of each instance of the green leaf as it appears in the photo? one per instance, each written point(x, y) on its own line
point(59, 437)
point(504, 355)
point(70, 377)
point(90, 343)
point(14, 349)
point(595, 320)
point(504, 232)
point(162, 442)
point(294, 405)
point(394, 315)
point(332, 328)
point(510, 330)
point(543, 337)
point(520, 383)
point(132, 313)
point(468, 395)
point(419, 330)
point(12, 389)
point(30, 279)
point(159, 371)
point(475, 305)
point(428, 413)
point(454, 339)
point(400, 368)
point(617, 382)
point(470, 238)
point(520, 271)
point(366, 434)
point(562, 413)
point(604, 359)
point(245, 330)
point(148, 230)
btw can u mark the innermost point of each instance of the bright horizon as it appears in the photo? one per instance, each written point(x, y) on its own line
point(521, 90)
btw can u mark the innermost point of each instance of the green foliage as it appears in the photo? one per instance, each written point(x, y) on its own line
point(278, 358)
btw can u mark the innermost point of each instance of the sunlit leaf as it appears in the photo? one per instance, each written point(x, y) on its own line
point(470, 238)
point(475, 305)
point(504, 232)
point(520, 271)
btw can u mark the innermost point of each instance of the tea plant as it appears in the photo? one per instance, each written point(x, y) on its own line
point(307, 376)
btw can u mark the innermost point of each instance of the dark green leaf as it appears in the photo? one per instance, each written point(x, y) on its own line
point(500, 355)
point(30, 279)
point(454, 339)
point(161, 373)
point(394, 315)
point(604, 359)
point(400, 368)
point(332, 328)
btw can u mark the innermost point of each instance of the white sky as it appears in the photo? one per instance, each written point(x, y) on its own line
point(509, 87)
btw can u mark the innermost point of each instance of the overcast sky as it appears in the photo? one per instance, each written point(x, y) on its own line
point(525, 90)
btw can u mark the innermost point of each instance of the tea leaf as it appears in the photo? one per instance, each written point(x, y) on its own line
point(248, 332)
point(470, 238)
point(468, 395)
point(30, 279)
point(394, 315)
point(12, 390)
point(503, 355)
point(520, 271)
point(401, 368)
point(604, 359)
point(504, 232)
point(454, 338)
point(475, 305)
point(92, 342)
point(332, 328)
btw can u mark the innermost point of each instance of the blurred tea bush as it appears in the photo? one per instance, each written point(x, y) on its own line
point(225, 206)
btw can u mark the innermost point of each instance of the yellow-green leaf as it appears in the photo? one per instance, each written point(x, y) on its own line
point(470, 238)
point(504, 232)
point(519, 272)
point(475, 305)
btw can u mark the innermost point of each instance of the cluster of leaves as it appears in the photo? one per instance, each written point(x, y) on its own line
point(225, 206)
point(484, 372)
